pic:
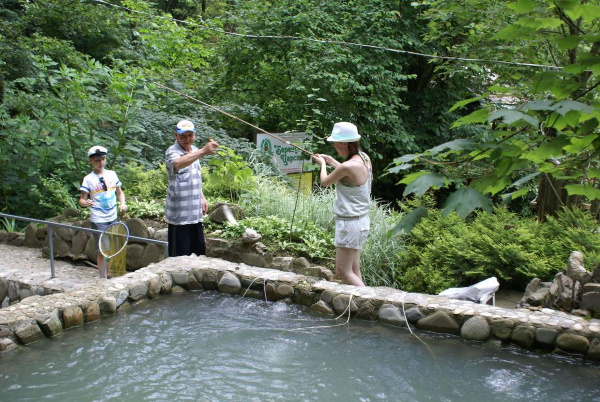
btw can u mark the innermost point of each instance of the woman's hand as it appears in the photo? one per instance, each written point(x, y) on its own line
point(319, 159)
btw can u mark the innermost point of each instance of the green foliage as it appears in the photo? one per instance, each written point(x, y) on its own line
point(398, 102)
point(53, 195)
point(448, 251)
point(542, 122)
point(145, 209)
point(144, 184)
point(10, 225)
point(380, 261)
point(302, 239)
point(226, 175)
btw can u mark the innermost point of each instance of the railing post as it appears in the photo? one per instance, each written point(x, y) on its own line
point(51, 246)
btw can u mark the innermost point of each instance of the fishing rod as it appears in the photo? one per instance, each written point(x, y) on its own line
point(234, 117)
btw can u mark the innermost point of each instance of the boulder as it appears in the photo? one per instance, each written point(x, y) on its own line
point(390, 314)
point(573, 343)
point(575, 269)
point(523, 335)
point(222, 212)
point(135, 254)
point(475, 329)
point(230, 284)
point(439, 322)
point(590, 299)
point(137, 228)
point(322, 307)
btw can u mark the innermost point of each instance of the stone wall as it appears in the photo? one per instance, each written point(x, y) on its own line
point(37, 317)
point(78, 245)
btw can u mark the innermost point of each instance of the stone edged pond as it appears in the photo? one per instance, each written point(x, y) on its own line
point(204, 345)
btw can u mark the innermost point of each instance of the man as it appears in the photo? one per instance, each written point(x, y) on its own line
point(186, 204)
point(99, 191)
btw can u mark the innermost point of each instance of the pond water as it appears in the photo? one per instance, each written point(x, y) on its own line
point(210, 347)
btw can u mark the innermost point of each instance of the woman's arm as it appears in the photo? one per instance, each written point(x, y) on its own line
point(340, 171)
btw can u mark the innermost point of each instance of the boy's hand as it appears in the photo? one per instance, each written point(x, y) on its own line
point(89, 203)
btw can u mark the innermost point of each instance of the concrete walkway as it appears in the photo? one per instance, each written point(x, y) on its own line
point(27, 265)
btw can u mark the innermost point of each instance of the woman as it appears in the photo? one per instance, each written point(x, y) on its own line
point(352, 201)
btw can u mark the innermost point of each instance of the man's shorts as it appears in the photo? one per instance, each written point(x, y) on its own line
point(352, 232)
point(101, 226)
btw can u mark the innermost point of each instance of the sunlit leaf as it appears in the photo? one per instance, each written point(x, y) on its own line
point(591, 193)
point(512, 116)
point(478, 116)
point(398, 168)
point(456, 145)
point(581, 144)
point(548, 150)
point(464, 201)
point(409, 221)
point(462, 103)
point(423, 183)
point(525, 179)
point(593, 173)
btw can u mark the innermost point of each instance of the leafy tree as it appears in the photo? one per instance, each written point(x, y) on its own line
point(398, 102)
point(550, 129)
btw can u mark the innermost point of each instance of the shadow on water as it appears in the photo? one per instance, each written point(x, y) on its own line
point(206, 346)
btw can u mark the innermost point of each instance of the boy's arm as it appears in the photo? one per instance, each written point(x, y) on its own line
point(84, 201)
point(121, 197)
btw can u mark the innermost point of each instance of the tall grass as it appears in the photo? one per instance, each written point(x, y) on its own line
point(380, 261)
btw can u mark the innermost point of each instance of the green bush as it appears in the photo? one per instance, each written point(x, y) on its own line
point(449, 252)
point(281, 237)
point(226, 175)
point(145, 209)
point(53, 196)
point(144, 184)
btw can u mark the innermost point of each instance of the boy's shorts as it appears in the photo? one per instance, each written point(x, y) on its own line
point(101, 226)
point(352, 232)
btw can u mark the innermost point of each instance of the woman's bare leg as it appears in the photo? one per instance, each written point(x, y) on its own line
point(356, 265)
point(346, 266)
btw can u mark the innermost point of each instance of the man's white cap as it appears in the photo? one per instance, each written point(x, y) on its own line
point(97, 150)
point(344, 132)
point(184, 126)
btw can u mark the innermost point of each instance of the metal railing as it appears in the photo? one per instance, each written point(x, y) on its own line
point(50, 225)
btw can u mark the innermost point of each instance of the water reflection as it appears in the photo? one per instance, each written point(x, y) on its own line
point(206, 346)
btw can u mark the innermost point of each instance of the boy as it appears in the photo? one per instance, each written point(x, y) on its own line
point(99, 191)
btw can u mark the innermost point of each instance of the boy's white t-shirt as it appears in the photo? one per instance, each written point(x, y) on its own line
point(104, 208)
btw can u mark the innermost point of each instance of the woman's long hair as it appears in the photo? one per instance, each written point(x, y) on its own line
point(353, 148)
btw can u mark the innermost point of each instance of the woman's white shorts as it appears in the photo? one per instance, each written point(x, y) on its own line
point(351, 233)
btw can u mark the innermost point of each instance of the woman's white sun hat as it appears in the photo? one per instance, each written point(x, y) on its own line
point(344, 132)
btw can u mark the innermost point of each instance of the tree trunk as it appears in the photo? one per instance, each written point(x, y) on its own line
point(552, 197)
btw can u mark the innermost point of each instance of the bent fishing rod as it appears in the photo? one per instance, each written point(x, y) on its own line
point(233, 117)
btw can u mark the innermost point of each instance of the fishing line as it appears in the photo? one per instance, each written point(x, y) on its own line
point(233, 117)
point(411, 331)
point(334, 42)
point(327, 326)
